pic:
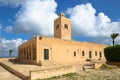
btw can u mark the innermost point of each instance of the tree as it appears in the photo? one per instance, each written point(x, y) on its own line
point(113, 36)
point(112, 53)
point(10, 52)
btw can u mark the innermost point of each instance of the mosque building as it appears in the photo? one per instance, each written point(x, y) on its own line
point(60, 49)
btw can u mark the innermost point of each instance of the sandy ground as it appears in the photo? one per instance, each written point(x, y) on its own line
point(25, 68)
point(5, 75)
point(83, 75)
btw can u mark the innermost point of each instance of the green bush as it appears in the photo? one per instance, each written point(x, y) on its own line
point(112, 53)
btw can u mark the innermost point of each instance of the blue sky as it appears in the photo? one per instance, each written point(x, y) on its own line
point(109, 7)
point(92, 20)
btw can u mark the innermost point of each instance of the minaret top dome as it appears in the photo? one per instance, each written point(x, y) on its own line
point(61, 14)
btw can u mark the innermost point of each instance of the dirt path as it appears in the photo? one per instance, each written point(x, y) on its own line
point(5, 75)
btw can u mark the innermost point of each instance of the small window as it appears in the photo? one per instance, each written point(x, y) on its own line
point(95, 53)
point(100, 54)
point(46, 54)
point(57, 26)
point(83, 53)
point(66, 26)
point(90, 54)
point(74, 53)
point(40, 38)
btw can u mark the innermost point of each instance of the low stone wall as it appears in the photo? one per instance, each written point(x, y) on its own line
point(98, 65)
point(13, 71)
point(47, 73)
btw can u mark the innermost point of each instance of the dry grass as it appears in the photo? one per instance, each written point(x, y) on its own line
point(106, 72)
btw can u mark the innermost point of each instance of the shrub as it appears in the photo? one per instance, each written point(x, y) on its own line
point(112, 53)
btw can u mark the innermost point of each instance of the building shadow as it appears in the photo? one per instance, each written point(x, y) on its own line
point(15, 61)
point(114, 64)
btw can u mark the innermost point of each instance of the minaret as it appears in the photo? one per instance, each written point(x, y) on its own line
point(62, 27)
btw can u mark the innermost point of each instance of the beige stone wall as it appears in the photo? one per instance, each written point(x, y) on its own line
point(47, 73)
point(62, 51)
point(27, 52)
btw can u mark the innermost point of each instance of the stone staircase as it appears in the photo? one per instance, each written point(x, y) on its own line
point(88, 66)
point(85, 66)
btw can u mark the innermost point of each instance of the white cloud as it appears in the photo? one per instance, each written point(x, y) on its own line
point(13, 44)
point(12, 3)
point(36, 17)
point(85, 22)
